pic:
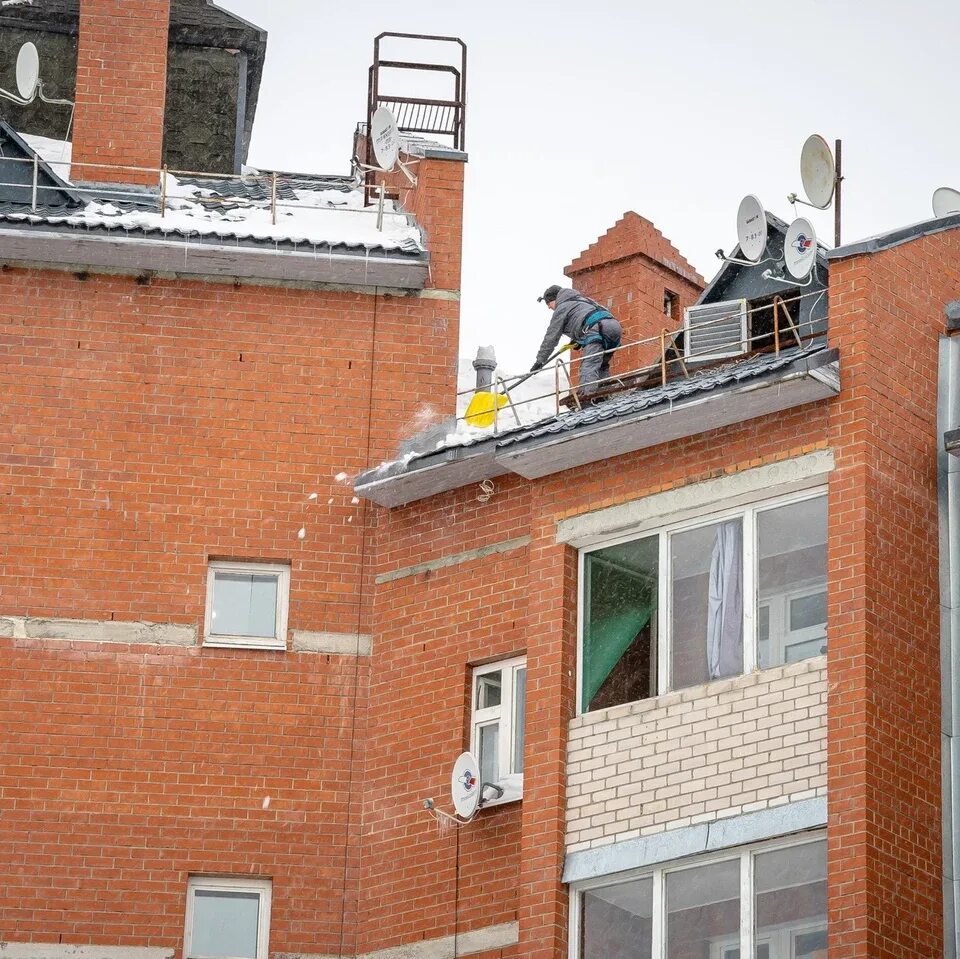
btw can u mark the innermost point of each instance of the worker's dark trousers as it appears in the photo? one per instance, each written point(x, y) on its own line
point(596, 356)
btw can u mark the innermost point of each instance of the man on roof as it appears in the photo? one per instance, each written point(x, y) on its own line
point(589, 326)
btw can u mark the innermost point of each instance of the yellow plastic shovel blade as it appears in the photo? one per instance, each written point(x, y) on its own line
point(482, 407)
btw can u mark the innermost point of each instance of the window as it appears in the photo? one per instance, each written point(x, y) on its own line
point(227, 919)
point(671, 305)
point(499, 698)
point(247, 605)
point(769, 901)
point(703, 599)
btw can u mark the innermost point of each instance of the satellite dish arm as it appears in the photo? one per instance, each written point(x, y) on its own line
point(732, 259)
point(793, 200)
point(51, 100)
point(6, 94)
point(769, 275)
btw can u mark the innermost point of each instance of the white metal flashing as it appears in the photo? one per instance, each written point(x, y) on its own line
point(733, 490)
point(228, 261)
point(336, 644)
point(674, 844)
point(97, 631)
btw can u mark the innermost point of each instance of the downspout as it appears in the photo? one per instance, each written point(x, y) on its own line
point(948, 493)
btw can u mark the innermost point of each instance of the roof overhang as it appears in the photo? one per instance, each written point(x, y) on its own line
point(31, 245)
point(951, 442)
point(808, 380)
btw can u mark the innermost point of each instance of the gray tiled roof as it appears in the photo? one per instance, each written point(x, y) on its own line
point(625, 404)
point(621, 405)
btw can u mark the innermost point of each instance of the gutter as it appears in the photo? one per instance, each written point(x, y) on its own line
point(188, 257)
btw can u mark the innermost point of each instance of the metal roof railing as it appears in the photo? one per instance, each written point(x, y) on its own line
point(274, 186)
point(663, 369)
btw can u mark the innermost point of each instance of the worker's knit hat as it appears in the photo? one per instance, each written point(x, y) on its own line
point(549, 294)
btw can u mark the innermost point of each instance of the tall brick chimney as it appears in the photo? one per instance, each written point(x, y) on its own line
point(121, 90)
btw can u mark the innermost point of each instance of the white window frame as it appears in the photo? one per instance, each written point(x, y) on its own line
point(779, 607)
point(746, 856)
point(264, 887)
point(782, 938)
point(748, 514)
point(504, 714)
point(279, 640)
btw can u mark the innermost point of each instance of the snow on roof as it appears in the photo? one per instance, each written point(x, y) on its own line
point(323, 211)
point(55, 152)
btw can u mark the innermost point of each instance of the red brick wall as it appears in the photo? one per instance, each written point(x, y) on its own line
point(885, 853)
point(121, 90)
point(125, 771)
point(150, 427)
point(885, 847)
point(430, 628)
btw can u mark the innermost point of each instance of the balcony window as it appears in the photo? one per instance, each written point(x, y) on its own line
point(703, 599)
point(768, 901)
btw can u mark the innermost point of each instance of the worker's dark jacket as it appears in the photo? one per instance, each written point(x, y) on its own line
point(571, 310)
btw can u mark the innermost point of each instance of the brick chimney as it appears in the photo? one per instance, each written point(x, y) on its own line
point(121, 90)
point(638, 274)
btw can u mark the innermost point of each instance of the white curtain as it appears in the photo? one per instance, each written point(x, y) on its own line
point(725, 603)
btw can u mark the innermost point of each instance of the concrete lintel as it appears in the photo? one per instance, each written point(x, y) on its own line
point(438, 295)
point(338, 644)
point(98, 631)
point(505, 547)
point(677, 844)
point(467, 944)
point(748, 484)
point(54, 950)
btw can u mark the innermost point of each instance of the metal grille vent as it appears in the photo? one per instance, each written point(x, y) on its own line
point(715, 330)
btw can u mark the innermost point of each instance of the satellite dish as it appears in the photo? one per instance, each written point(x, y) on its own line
point(28, 71)
point(752, 228)
point(800, 248)
point(465, 785)
point(818, 172)
point(386, 139)
point(946, 200)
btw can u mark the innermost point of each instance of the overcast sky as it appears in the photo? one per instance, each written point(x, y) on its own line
point(578, 112)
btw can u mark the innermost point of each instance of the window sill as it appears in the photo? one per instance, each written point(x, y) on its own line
point(512, 791)
point(244, 642)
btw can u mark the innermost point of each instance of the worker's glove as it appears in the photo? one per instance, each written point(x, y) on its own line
point(536, 367)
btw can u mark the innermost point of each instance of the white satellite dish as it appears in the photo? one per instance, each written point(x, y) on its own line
point(800, 248)
point(946, 200)
point(752, 228)
point(386, 139)
point(818, 171)
point(465, 785)
point(28, 71)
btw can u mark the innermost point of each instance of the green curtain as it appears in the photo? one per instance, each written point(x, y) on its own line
point(605, 641)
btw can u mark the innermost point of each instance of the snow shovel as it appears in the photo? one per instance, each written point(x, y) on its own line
point(483, 407)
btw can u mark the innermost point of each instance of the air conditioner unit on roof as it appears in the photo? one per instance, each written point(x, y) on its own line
point(715, 330)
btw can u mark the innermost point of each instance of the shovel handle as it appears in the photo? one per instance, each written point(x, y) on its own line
point(526, 376)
